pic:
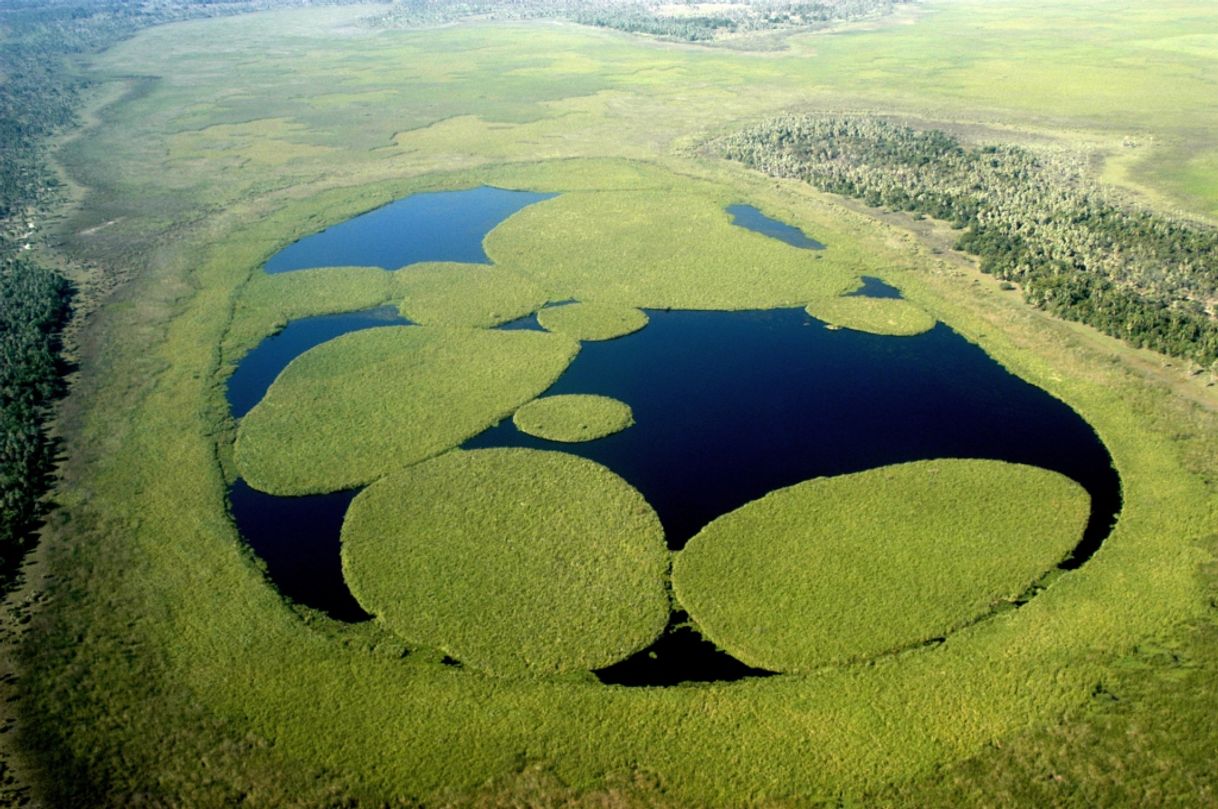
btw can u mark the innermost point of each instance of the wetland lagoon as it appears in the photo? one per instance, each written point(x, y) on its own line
point(470, 425)
point(727, 406)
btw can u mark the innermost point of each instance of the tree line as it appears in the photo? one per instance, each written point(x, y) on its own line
point(666, 20)
point(1031, 217)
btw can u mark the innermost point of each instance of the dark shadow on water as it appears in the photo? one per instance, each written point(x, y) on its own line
point(258, 369)
point(526, 323)
point(874, 288)
point(680, 655)
point(748, 217)
point(437, 226)
point(297, 539)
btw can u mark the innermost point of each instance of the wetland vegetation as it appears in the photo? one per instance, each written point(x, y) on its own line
point(1078, 641)
point(573, 417)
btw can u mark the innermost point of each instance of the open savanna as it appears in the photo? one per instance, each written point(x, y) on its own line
point(165, 669)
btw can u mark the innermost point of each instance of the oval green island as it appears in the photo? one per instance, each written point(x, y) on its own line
point(573, 417)
point(894, 317)
point(592, 321)
point(514, 561)
point(840, 569)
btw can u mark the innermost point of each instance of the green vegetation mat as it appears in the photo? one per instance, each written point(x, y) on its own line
point(451, 294)
point(592, 321)
point(851, 567)
point(511, 560)
point(573, 417)
point(657, 250)
point(365, 404)
point(891, 316)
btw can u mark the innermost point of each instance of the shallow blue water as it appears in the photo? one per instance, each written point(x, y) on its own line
point(748, 217)
point(437, 226)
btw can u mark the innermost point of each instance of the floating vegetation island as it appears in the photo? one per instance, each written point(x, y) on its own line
point(591, 321)
point(573, 417)
point(513, 561)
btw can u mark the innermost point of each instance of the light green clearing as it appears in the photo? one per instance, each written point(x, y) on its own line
point(890, 316)
point(450, 294)
point(514, 561)
point(851, 567)
point(573, 417)
point(592, 321)
point(360, 406)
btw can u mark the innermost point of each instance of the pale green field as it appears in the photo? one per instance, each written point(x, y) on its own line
point(164, 647)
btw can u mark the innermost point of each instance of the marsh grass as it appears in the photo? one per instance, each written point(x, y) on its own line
point(365, 404)
point(651, 249)
point(573, 417)
point(592, 321)
point(450, 294)
point(513, 561)
point(888, 316)
point(855, 566)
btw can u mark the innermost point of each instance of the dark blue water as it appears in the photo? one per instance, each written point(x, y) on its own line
point(746, 216)
point(259, 367)
point(297, 538)
point(731, 405)
point(438, 226)
point(874, 288)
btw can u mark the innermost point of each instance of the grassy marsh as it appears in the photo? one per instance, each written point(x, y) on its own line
point(365, 404)
point(513, 561)
point(851, 567)
point(890, 316)
point(573, 417)
point(592, 321)
point(447, 294)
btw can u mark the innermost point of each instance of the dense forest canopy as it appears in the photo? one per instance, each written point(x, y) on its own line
point(1032, 218)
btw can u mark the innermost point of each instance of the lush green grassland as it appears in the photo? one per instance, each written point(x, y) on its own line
point(892, 316)
point(573, 417)
point(366, 404)
point(164, 647)
point(465, 295)
point(659, 250)
point(852, 567)
point(511, 560)
point(592, 321)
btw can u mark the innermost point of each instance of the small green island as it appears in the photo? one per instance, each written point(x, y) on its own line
point(573, 417)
